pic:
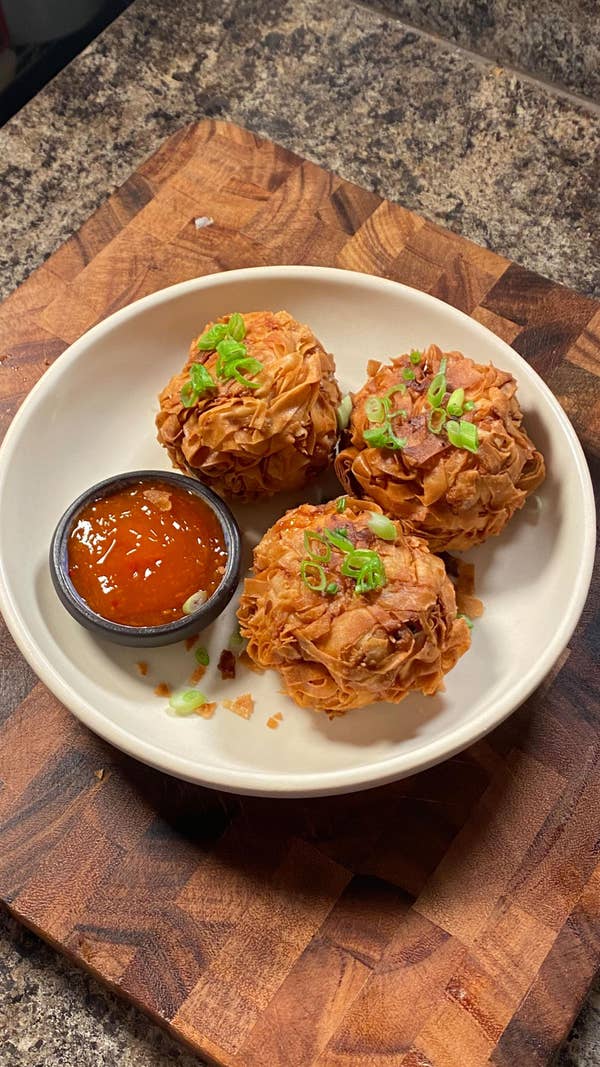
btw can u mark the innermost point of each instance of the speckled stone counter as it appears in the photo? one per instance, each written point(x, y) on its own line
point(502, 160)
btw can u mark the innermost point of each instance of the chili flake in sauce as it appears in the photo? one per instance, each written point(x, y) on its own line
point(136, 555)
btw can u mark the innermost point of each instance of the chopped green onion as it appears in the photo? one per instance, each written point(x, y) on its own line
point(400, 388)
point(408, 374)
point(375, 409)
point(366, 568)
point(415, 356)
point(341, 504)
point(383, 437)
point(201, 378)
point(455, 404)
point(228, 349)
point(338, 539)
point(437, 390)
point(313, 575)
point(317, 556)
point(344, 412)
point(234, 365)
point(469, 405)
point(211, 338)
point(468, 621)
point(236, 641)
point(188, 395)
point(202, 656)
point(437, 420)
point(195, 601)
point(332, 588)
point(236, 327)
point(186, 701)
point(382, 527)
point(463, 435)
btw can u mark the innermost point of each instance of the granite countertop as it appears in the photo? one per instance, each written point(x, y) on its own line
point(502, 159)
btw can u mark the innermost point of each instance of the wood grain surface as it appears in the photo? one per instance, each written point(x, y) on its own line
point(449, 919)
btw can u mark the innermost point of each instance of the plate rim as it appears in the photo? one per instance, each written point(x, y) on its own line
point(321, 783)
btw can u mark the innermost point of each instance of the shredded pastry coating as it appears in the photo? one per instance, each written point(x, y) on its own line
point(452, 497)
point(251, 442)
point(345, 650)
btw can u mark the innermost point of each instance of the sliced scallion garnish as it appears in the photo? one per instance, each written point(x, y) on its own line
point(236, 641)
point(341, 504)
point(201, 378)
point(187, 701)
point(202, 656)
point(382, 527)
point(383, 437)
point(313, 575)
point(468, 621)
point(344, 411)
point(455, 404)
point(375, 409)
point(189, 396)
point(210, 338)
point(316, 547)
point(338, 539)
point(408, 374)
point(437, 420)
point(438, 387)
point(400, 388)
point(331, 588)
point(195, 601)
point(469, 405)
point(415, 356)
point(236, 327)
point(463, 435)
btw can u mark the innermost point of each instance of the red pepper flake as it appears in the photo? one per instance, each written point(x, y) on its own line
point(226, 664)
point(142, 667)
point(163, 689)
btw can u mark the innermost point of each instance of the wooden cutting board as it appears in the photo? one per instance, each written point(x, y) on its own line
point(450, 919)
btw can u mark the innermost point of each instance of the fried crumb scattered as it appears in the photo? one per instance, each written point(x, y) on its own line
point(226, 664)
point(196, 675)
point(462, 576)
point(191, 641)
point(206, 711)
point(142, 667)
point(163, 689)
point(99, 774)
point(159, 497)
point(245, 660)
point(242, 705)
point(274, 720)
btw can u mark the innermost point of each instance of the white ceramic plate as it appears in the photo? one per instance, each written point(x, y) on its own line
point(92, 415)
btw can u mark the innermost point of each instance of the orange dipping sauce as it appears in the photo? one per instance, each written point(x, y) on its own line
point(136, 555)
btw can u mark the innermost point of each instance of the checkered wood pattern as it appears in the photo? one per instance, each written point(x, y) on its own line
point(449, 919)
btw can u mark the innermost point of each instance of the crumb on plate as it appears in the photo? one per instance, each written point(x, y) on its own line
point(206, 711)
point(242, 705)
point(163, 689)
point(191, 641)
point(274, 720)
point(142, 667)
point(197, 674)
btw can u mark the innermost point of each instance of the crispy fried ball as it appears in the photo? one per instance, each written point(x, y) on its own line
point(342, 650)
point(453, 497)
point(249, 442)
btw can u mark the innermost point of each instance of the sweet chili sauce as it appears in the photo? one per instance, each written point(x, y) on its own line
point(136, 555)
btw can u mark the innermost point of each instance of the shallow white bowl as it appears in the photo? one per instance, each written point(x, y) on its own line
point(92, 415)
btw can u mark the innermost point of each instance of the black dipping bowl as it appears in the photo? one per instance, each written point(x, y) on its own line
point(145, 636)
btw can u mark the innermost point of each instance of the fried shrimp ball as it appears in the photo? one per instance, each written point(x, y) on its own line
point(253, 411)
point(349, 610)
point(438, 442)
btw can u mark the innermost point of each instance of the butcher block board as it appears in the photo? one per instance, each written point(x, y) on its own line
point(449, 919)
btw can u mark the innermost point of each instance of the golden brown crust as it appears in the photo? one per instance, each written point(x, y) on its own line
point(246, 443)
point(452, 497)
point(346, 651)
